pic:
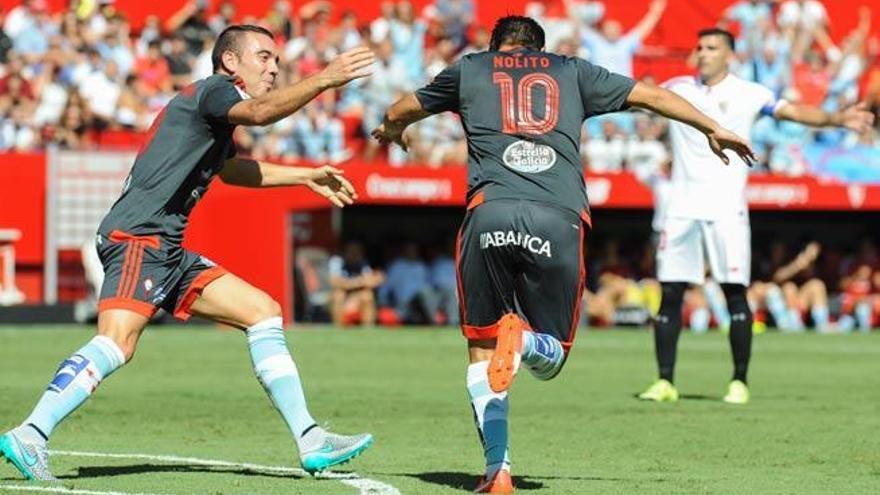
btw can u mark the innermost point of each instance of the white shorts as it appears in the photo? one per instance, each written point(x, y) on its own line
point(685, 244)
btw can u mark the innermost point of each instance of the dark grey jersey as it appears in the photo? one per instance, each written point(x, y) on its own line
point(186, 147)
point(522, 112)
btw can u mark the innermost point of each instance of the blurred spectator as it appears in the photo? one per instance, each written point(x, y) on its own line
point(180, 63)
point(380, 28)
point(606, 153)
point(153, 70)
point(407, 37)
point(23, 16)
point(318, 136)
point(407, 288)
point(101, 91)
point(614, 50)
point(859, 301)
point(442, 273)
point(645, 154)
point(377, 93)
point(803, 291)
point(224, 17)
point(749, 15)
point(455, 16)
point(353, 282)
point(116, 46)
point(348, 36)
point(190, 24)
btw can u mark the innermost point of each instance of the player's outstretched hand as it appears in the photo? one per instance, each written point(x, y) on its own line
point(329, 182)
point(348, 66)
point(857, 117)
point(385, 136)
point(725, 140)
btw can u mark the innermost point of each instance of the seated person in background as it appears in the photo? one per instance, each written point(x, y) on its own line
point(859, 300)
point(444, 282)
point(352, 282)
point(407, 288)
point(804, 291)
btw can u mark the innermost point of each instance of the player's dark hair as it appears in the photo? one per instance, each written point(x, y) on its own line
point(229, 40)
point(517, 30)
point(728, 37)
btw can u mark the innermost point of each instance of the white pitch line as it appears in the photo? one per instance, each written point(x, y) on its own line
point(365, 486)
point(71, 491)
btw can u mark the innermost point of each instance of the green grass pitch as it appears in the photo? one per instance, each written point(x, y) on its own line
point(813, 425)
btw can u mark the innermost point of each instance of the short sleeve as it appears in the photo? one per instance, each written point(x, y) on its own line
point(767, 101)
point(442, 94)
point(602, 91)
point(218, 99)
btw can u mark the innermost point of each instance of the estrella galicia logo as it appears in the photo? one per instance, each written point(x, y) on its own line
point(529, 157)
point(67, 372)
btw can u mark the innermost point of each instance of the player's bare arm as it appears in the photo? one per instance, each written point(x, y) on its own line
point(405, 111)
point(277, 104)
point(856, 117)
point(670, 105)
point(326, 181)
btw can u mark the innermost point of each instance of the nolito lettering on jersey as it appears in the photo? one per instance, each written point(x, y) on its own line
point(501, 238)
point(520, 61)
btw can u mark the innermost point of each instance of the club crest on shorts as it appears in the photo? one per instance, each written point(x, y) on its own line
point(529, 157)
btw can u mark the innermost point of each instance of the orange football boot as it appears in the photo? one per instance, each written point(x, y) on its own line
point(500, 483)
point(508, 352)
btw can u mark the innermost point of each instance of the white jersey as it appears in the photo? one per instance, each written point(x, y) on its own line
point(702, 186)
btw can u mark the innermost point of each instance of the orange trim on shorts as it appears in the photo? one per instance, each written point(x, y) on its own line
point(120, 236)
point(134, 256)
point(582, 278)
point(476, 201)
point(195, 289)
point(126, 268)
point(472, 332)
point(135, 269)
point(587, 219)
point(462, 306)
point(139, 307)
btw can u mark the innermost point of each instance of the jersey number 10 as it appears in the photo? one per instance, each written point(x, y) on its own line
point(527, 123)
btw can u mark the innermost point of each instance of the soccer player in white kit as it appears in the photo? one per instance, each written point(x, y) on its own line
point(707, 215)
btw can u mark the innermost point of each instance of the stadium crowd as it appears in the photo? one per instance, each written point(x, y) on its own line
point(82, 76)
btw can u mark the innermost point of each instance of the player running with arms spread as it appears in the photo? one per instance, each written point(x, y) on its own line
point(520, 248)
point(139, 244)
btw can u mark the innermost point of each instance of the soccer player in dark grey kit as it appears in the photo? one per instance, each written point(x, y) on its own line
point(139, 243)
point(520, 248)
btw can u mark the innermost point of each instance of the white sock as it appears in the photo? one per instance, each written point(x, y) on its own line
point(490, 416)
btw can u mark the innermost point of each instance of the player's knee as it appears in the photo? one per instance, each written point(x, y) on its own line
point(263, 308)
point(672, 295)
point(124, 339)
point(737, 302)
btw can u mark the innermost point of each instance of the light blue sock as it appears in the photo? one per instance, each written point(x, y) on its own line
point(864, 315)
point(717, 304)
point(490, 415)
point(820, 317)
point(76, 379)
point(699, 321)
point(278, 374)
point(542, 355)
point(776, 306)
point(794, 320)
